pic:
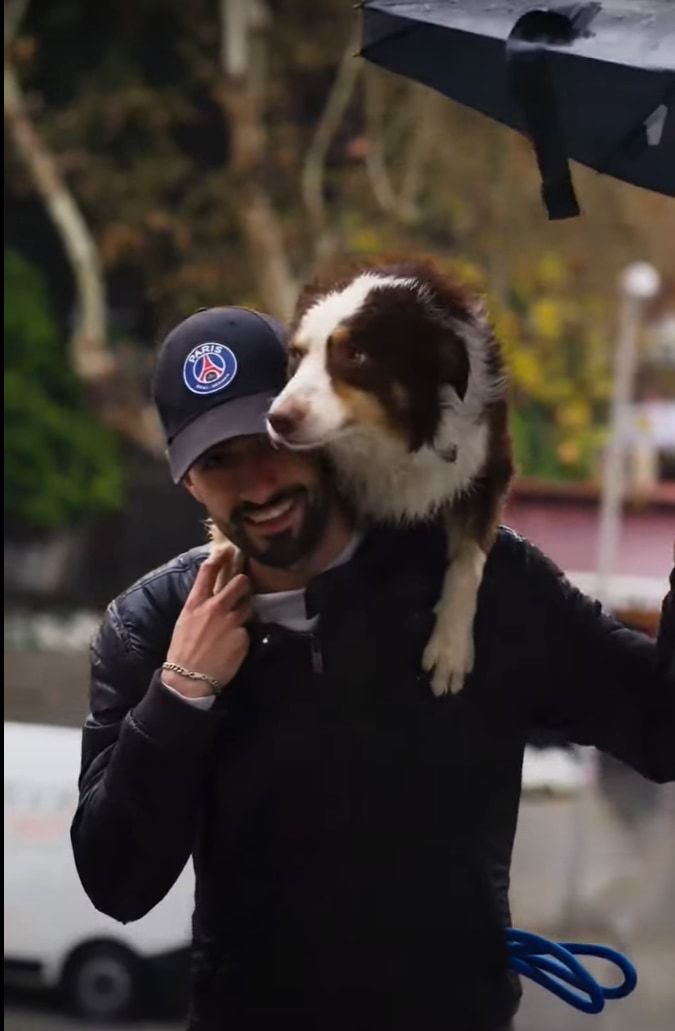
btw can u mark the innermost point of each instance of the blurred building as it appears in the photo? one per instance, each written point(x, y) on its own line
point(562, 520)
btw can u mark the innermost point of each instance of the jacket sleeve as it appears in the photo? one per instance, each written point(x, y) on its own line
point(666, 636)
point(592, 679)
point(145, 757)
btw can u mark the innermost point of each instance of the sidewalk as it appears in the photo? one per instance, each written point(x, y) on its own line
point(600, 867)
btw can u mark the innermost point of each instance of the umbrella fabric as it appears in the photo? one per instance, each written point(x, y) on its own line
point(590, 81)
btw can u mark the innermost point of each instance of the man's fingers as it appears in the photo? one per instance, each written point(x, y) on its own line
point(231, 568)
point(217, 562)
point(240, 616)
point(243, 613)
point(234, 593)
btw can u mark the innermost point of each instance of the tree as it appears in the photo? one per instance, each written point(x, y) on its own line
point(61, 465)
point(243, 28)
point(110, 392)
point(218, 152)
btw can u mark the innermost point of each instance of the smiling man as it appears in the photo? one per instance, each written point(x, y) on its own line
point(276, 505)
point(351, 834)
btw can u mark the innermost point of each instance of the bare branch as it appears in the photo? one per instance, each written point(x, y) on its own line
point(425, 109)
point(340, 94)
point(420, 118)
point(383, 190)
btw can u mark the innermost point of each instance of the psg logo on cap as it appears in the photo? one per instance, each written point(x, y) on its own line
point(208, 368)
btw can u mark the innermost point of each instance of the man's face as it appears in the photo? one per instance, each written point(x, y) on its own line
point(272, 503)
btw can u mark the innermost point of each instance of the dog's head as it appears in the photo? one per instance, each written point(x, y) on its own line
point(380, 352)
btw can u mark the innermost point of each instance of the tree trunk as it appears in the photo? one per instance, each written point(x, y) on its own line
point(314, 168)
point(115, 400)
point(242, 27)
point(89, 355)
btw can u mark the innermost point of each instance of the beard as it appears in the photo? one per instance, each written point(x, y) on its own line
point(283, 550)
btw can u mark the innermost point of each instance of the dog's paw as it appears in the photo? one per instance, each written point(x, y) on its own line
point(449, 659)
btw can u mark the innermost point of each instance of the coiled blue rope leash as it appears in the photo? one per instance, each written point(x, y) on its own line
point(553, 965)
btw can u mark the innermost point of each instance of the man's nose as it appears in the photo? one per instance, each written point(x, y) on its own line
point(286, 419)
point(259, 480)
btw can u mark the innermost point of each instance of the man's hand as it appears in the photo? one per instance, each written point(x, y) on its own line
point(209, 636)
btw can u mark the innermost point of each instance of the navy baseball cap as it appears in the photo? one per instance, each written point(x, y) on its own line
point(216, 376)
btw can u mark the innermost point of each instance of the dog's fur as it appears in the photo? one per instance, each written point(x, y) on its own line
point(397, 373)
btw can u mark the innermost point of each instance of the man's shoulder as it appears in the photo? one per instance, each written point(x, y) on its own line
point(135, 632)
point(429, 538)
point(178, 571)
point(418, 554)
point(153, 602)
point(510, 545)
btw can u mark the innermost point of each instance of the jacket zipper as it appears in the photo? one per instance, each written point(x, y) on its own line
point(316, 653)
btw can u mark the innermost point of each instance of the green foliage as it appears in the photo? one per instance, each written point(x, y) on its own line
point(61, 465)
point(557, 354)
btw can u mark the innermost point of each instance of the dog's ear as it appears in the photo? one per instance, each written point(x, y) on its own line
point(479, 311)
point(454, 362)
point(310, 293)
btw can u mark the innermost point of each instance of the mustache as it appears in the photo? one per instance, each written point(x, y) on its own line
point(248, 507)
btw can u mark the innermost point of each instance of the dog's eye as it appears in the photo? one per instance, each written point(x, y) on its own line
point(295, 356)
point(356, 356)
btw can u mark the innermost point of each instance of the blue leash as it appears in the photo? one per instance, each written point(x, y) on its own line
point(553, 965)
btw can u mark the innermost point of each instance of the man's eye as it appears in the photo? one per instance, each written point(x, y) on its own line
point(213, 462)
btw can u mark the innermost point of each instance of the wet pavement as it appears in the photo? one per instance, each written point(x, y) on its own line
point(588, 876)
point(27, 1011)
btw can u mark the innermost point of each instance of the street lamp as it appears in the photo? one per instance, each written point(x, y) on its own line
point(638, 283)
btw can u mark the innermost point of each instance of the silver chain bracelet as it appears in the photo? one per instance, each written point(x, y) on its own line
point(215, 684)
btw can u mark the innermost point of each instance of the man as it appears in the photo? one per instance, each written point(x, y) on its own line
point(351, 834)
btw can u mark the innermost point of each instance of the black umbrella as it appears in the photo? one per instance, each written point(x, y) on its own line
point(591, 81)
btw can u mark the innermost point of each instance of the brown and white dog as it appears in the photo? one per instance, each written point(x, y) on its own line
point(396, 373)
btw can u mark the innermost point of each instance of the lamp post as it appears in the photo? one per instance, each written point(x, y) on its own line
point(638, 283)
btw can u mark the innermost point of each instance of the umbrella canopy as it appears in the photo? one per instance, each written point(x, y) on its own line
point(590, 81)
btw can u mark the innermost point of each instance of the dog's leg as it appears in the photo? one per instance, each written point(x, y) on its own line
point(471, 525)
point(449, 654)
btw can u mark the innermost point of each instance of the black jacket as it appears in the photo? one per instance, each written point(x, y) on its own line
point(352, 834)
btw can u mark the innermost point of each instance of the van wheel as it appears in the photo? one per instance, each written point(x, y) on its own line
point(102, 981)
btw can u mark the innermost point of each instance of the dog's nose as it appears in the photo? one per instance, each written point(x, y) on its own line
point(286, 419)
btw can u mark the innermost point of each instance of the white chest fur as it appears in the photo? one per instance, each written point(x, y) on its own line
point(389, 483)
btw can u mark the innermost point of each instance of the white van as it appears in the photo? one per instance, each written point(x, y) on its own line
point(53, 934)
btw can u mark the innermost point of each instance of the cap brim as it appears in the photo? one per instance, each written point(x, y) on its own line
point(241, 417)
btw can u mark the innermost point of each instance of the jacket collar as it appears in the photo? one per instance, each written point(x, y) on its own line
point(386, 553)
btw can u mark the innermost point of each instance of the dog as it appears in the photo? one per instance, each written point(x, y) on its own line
point(396, 372)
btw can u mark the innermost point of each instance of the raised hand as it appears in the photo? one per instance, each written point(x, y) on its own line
point(210, 636)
